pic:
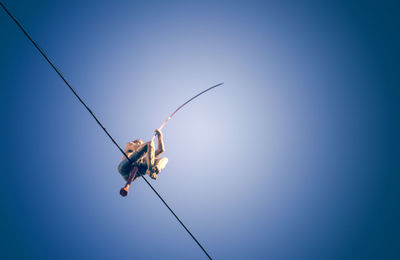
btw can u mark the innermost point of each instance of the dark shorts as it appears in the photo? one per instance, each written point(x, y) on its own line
point(126, 166)
point(125, 169)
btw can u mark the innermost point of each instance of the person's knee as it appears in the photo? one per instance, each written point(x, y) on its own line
point(163, 162)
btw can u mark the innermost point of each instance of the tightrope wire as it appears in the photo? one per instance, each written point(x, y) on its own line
point(101, 125)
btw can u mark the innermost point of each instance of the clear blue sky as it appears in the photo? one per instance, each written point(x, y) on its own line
point(295, 157)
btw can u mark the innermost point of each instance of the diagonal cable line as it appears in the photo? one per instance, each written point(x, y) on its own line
point(100, 124)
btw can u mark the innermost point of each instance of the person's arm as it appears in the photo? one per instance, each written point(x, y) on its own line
point(160, 144)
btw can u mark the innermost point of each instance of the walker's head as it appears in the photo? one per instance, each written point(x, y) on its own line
point(137, 141)
point(132, 146)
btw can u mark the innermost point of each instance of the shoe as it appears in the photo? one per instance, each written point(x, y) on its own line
point(155, 169)
point(154, 176)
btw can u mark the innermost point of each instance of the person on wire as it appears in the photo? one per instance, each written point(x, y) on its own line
point(143, 159)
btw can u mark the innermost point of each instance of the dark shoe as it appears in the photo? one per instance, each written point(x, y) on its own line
point(155, 169)
point(154, 176)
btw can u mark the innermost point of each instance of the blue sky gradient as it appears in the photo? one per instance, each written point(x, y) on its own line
point(296, 156)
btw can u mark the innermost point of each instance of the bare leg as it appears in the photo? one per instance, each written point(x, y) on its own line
point(160, 165)
point(150, 160)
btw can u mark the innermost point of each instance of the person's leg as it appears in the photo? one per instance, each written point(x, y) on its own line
point(150, 160)
point(160, 165)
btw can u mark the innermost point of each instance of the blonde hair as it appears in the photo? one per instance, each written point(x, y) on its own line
point(132, 146)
